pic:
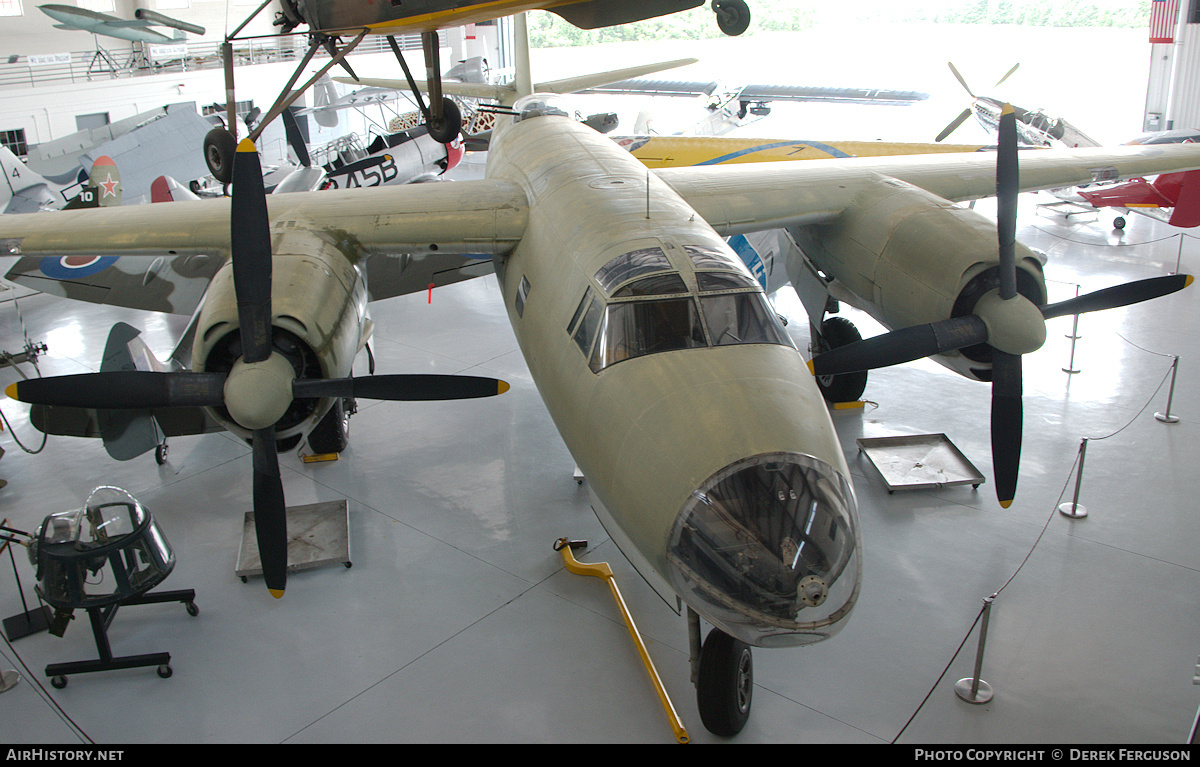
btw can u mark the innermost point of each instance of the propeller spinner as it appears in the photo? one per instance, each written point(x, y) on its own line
point(1004, 319)
point(261, 385)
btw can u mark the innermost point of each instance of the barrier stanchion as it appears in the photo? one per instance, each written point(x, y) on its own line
point(1073, 509)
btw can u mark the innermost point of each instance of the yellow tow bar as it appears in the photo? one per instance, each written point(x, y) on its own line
point(602, 570)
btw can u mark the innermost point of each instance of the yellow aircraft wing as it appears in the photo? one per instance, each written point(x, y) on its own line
point(680, 151)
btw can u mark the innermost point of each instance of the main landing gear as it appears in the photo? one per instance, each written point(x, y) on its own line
point(846, 387)
point(723, 672)
point(733, 16)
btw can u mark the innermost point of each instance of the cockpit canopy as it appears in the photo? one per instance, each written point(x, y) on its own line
point(537, 105)
point(642, 303)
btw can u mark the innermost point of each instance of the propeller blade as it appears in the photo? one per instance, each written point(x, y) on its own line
point(125, 389)
point(960, 79)
point(270, 511)
point(1007, 416)
point(295, 140)
point(953, 126)
point(250, 233)
point(1007, 75)
point(1118, 295)
point(900, 346)
point(401, 387)
point(1007, 188)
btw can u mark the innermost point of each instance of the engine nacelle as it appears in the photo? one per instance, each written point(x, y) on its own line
point(911, 258)
point(318, 301)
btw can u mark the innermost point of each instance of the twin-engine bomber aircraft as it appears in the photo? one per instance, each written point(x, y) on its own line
point(708, 449)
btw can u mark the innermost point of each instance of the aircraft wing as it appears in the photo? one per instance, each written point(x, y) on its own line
point(440, 233)
point(160, 257)
point(764, 92)
point(744, 198)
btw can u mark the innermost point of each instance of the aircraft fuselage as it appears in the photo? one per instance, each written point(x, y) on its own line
point(703, 437)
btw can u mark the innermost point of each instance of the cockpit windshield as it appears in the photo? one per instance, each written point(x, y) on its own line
point(652, 307)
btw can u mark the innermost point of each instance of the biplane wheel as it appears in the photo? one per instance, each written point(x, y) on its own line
point(58, 682)
point(448, 128)
point(164, 671)
point(1119, 222)
point(846, 387)
point(160, 454)
point(219, 149)
point(725, 687)
point(733, 16)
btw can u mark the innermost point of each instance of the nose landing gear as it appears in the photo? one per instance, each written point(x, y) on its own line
point(723, 672)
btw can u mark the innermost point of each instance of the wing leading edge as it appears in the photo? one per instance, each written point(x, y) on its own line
point(160, 257)
point(754, 197)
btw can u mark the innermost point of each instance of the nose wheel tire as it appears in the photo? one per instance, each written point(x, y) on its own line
point(725, 687)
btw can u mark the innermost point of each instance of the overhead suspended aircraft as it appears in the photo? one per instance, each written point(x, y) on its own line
point(329, 20)
point(633, 314)
point(136, 30)
point(729, 108)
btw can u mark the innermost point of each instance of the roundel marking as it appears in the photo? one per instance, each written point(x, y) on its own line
point(71, 267)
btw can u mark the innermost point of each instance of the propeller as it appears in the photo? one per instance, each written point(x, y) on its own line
point(962, 117)
point(1004, 319)
point(260, 386)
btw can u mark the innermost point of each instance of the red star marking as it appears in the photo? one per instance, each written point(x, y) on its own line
point(110, 187)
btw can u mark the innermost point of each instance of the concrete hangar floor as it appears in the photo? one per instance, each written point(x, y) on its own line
point(458, 623)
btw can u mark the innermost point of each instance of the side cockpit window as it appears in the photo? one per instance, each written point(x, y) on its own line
point(586, 321)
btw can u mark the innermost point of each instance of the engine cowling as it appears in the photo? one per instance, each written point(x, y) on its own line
point(911, 258)
point(319, 313)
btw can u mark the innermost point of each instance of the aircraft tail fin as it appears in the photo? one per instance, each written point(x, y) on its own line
point(103, 187)
point(30, 189)
point(128, 433)
point(1184, 189)
point(167, 189)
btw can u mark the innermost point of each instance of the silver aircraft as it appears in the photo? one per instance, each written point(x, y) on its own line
point(708, 449)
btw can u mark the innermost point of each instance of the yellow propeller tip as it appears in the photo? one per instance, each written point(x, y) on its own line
point(11, 391)
point(246, 145)
point(503, 387)
point(810, 366)
point(277, 593)
point(1005, 504)
point(1006, 109)
point(1188, 281)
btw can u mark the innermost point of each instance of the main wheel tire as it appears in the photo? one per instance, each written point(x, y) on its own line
point(450, 125)
point(332, 433)
point(847, 387)
point(733, 16)
point(725, 688)
point(219, 149)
